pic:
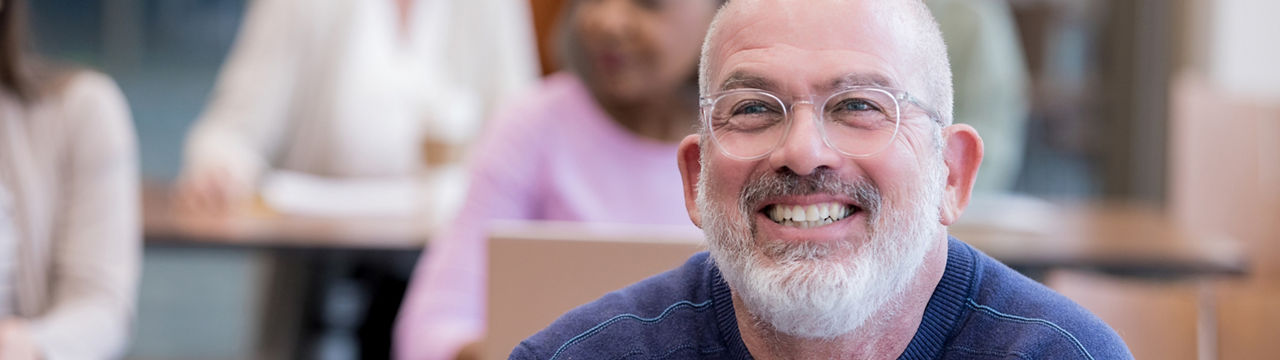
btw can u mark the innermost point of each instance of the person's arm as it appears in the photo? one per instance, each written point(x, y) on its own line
point(444, 307)
point(96, 241)
point(234, 140)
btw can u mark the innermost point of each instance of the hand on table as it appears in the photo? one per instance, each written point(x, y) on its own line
point(211, 191)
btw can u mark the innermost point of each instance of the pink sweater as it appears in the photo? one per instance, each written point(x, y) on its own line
point(552, 155)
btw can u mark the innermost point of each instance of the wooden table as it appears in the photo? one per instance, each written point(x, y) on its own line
point(260, 227)
point(1114, 237)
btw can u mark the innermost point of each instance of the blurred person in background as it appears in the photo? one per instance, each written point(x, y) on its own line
point(592, 144)
point(991, 85)
point(69, 237)
point(353, 89)
point(344, 92)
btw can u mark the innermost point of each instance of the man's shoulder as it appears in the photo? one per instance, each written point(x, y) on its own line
point(670, 315)
point(1012, 315)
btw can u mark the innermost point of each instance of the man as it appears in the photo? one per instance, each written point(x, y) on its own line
point(824, 176)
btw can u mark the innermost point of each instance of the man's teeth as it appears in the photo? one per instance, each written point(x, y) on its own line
point(809, 216)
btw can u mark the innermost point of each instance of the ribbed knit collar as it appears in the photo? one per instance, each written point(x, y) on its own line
point(941, 316)
point(726, 319)
point(947, 305)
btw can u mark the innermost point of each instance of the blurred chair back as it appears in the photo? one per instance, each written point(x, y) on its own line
point(540, 270)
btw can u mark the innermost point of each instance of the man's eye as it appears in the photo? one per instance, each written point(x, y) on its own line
point(751, 109)
point(856, 105)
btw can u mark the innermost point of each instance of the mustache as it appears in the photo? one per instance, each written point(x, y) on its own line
point(785, 182)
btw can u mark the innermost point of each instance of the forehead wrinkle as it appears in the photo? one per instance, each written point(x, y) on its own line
point(742, 79)
point(862, 79)
point(738, 35)
point(727, 40)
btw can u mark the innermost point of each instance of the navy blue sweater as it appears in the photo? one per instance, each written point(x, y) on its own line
point(981, 309)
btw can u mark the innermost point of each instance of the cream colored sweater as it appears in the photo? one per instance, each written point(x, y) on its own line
point(332, 88)
point(69, 161)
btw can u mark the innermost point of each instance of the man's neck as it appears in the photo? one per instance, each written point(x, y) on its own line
point(884, 336)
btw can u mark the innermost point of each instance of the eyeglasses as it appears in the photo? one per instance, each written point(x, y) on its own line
point(748, 124)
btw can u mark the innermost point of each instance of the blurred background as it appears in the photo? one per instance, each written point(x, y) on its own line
point(1172, 105)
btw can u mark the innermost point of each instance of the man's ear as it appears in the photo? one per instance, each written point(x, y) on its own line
point(963, 155)
point(690, 154)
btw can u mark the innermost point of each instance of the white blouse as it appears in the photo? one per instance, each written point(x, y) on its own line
point(336, 88)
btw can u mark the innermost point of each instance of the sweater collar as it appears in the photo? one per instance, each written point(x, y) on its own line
point(947, 305)
point(726, 319)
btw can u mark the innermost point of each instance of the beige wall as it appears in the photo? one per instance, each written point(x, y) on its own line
point(1233, 43)
point(1243, 48)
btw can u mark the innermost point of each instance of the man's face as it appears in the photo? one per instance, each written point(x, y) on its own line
point(820, 279)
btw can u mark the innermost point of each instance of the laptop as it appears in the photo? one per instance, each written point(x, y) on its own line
point(540, 270)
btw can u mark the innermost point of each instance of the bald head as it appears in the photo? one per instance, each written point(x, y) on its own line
point(902, 33)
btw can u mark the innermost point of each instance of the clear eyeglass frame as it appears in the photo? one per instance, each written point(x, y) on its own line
point(898, 99)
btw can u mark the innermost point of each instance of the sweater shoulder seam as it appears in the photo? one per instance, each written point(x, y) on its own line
point(1031, 320)
point(628, 316)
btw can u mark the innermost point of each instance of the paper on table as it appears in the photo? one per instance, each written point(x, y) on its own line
point(296, 193)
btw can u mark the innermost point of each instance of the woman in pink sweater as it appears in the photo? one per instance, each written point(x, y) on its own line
point(595, 144)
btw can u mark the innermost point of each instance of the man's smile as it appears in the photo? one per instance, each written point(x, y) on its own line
point(808, 216)
point(817, 217)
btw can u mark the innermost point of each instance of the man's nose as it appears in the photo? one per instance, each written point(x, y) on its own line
point(803, 150)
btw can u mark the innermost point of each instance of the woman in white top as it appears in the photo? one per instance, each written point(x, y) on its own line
point(352, 89)
point(69, 234)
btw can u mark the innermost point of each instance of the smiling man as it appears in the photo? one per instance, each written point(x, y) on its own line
point(825, 175)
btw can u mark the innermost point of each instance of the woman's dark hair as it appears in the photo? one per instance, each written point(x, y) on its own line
point(15, 76)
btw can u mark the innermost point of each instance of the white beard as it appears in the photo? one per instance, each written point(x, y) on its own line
point(821, 291)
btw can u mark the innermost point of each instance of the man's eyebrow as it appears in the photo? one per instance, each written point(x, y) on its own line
point(861, 79)
point(743, 80)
